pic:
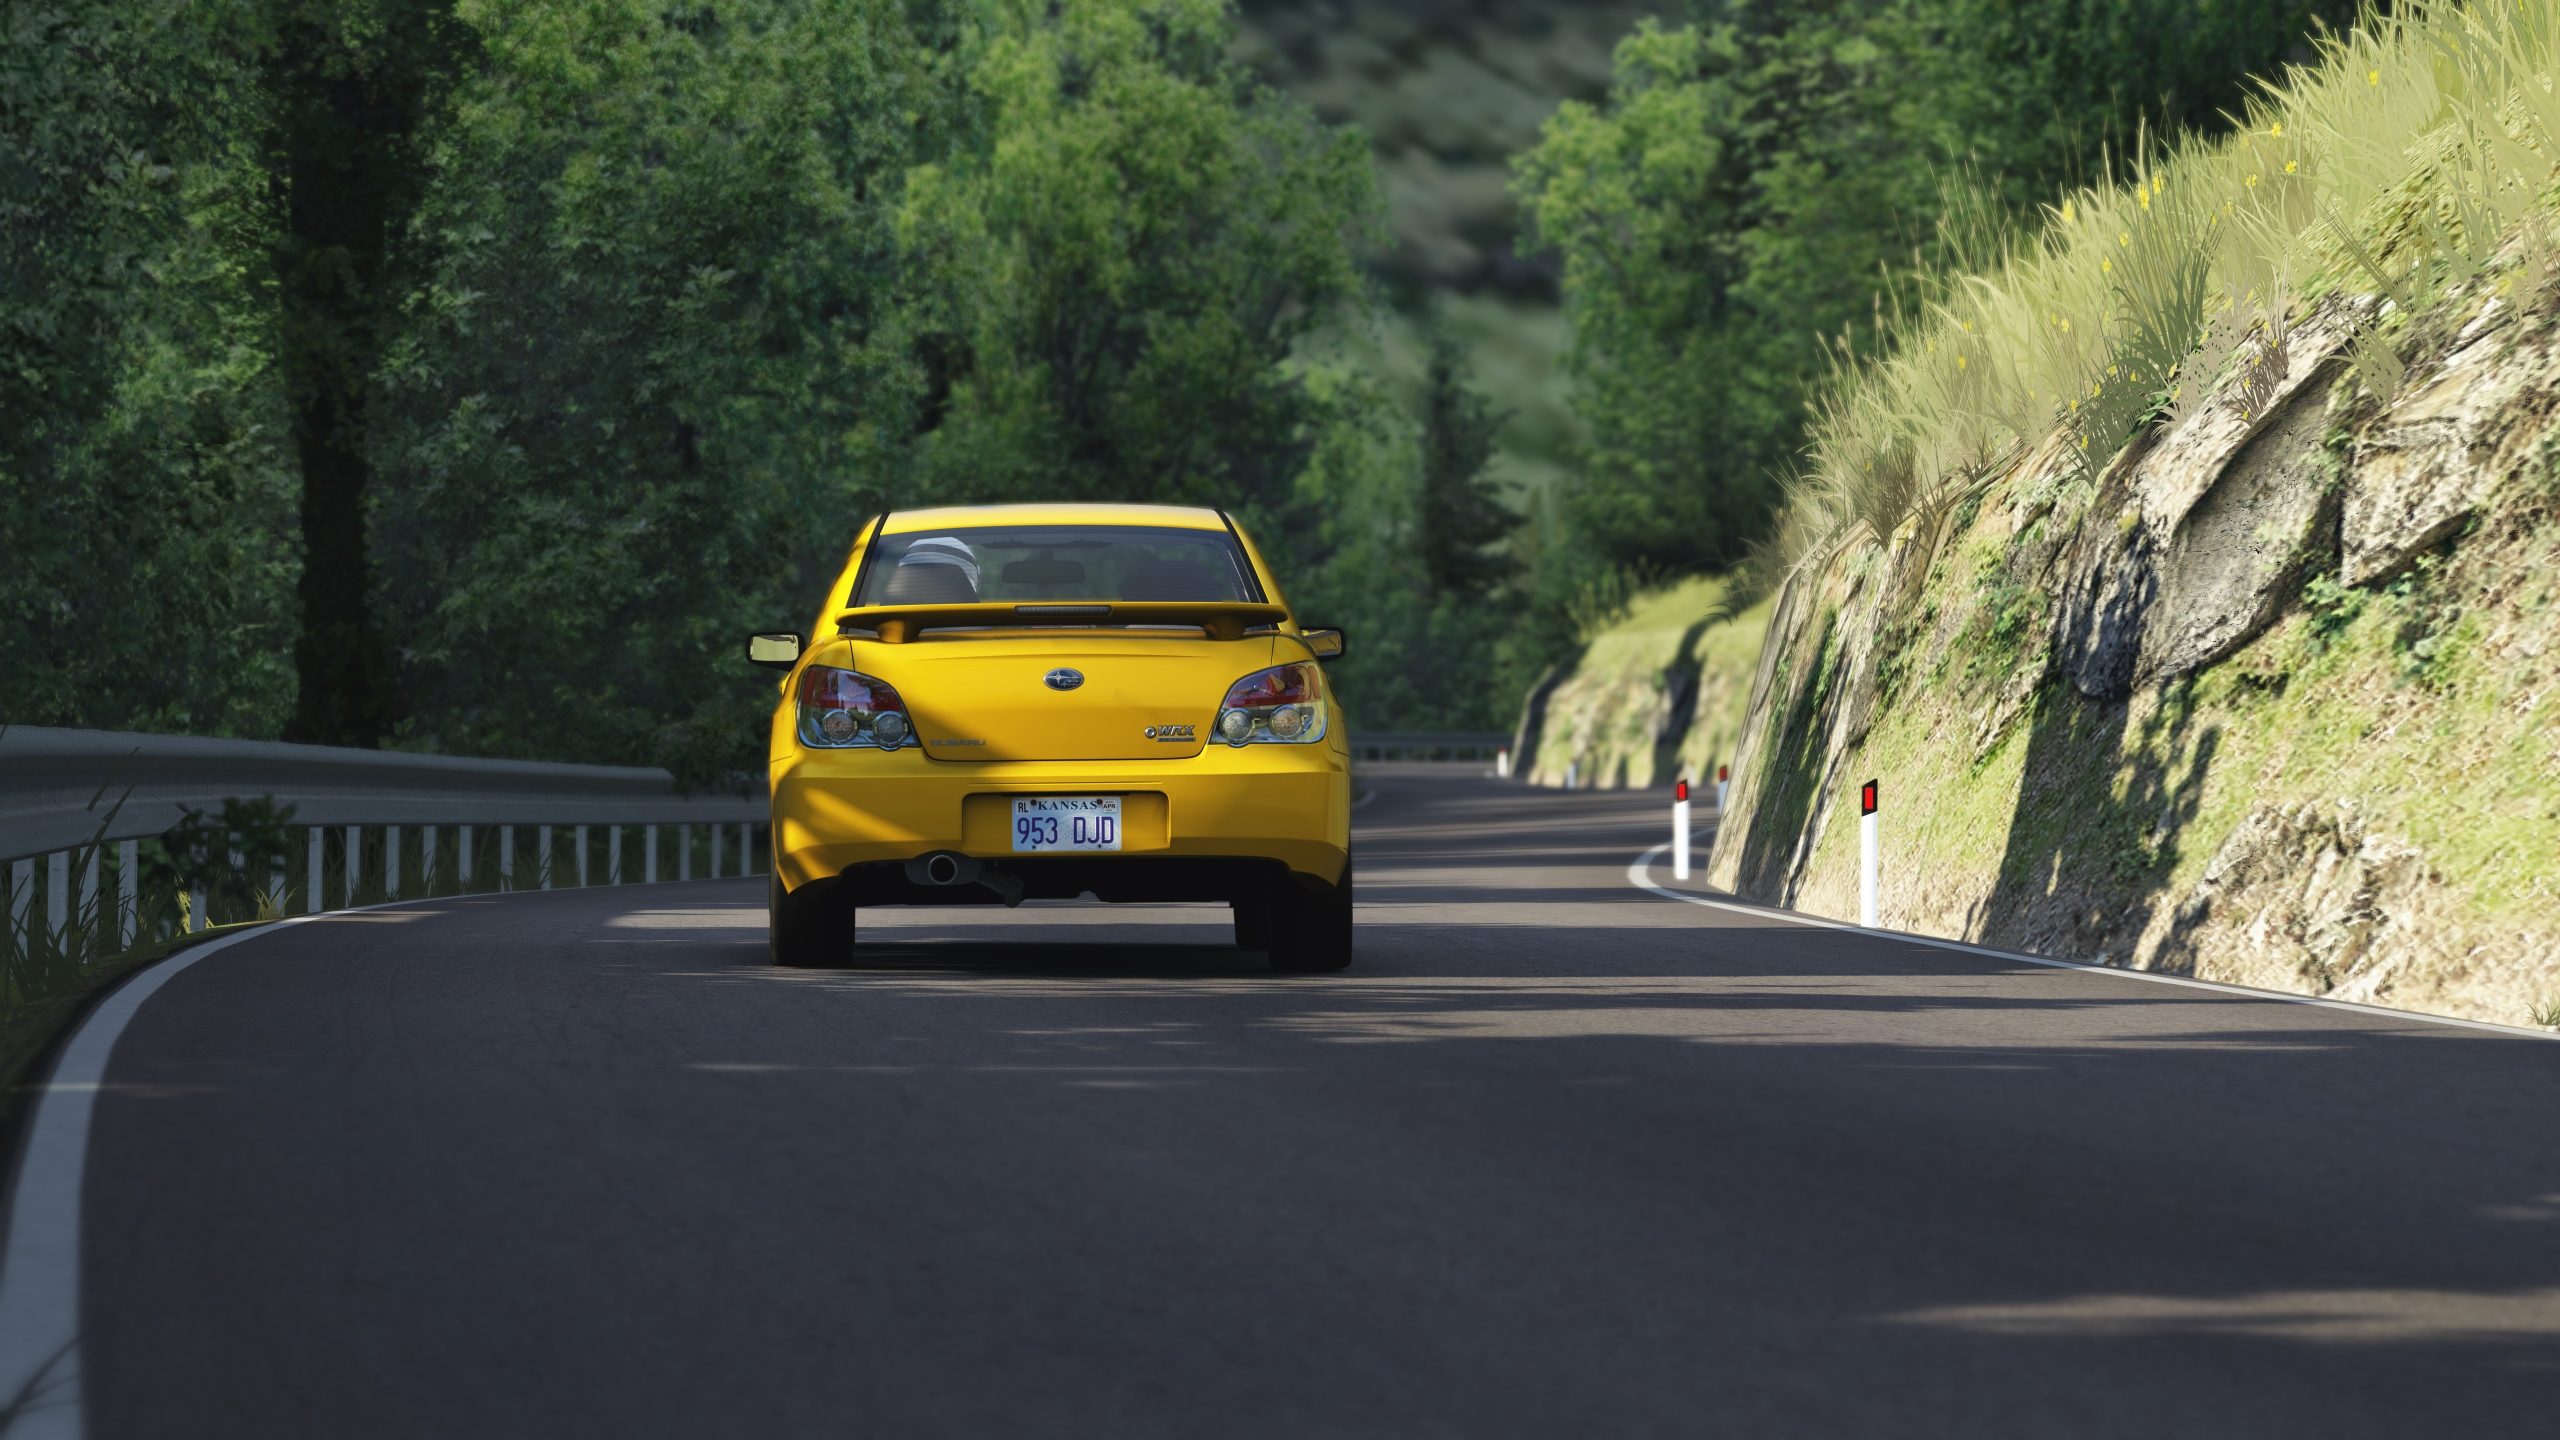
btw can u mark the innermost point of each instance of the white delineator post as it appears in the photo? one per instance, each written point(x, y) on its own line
point(1867, 854)
point(1502, 763)
point(1680, 830)
point(1723, 775)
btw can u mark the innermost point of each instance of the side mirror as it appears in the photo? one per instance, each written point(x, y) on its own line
point(775, 649)
point(1325, 643)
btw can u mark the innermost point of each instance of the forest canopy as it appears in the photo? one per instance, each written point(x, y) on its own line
point(468, 375)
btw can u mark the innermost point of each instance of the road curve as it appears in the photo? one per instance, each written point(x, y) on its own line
point(1558, 1157)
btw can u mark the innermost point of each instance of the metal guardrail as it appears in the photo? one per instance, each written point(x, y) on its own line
point(1427, 745)
point(86, 796)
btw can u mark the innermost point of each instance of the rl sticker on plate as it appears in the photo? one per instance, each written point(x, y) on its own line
point(1050, 822)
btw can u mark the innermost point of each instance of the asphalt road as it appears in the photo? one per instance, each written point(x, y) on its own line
point(1557, 1157)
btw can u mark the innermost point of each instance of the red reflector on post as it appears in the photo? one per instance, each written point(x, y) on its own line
point(1681, 792)
point(1867, 798)
point(1722, 773)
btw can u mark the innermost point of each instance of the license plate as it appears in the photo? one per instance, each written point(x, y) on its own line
point(1043, 823)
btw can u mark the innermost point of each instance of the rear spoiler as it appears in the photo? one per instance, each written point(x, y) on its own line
point(1223, 619)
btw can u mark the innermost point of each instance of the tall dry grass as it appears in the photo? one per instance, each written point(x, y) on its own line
point(2413, 157)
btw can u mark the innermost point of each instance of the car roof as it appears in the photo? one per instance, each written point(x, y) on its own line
point(955, 517)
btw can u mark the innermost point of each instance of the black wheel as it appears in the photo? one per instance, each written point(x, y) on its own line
point(1257, 918)
point(1311, 927)
point(811, 927)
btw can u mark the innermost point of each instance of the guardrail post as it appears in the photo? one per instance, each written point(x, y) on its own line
point(22, 895)
point(89, 861)
point(128, 890)
point(542, 868)
point(649, 854)
point(613, 855)
point(390, 862)
point(684, 852)
point(314, 898)
point(462, 873)
point(57, 897)
point(506, 857)
point(427, 860)
point(195, 911)
point(582, 857)
point(355, 861)
point(746, 849)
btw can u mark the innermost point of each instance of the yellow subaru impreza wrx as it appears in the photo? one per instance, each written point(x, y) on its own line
point(1045, 701)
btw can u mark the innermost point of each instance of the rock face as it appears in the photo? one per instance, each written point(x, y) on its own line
point(2198, 539)
point(2311, 897)
point(2234, 557)
point(2446, 444)
point(2104, 807)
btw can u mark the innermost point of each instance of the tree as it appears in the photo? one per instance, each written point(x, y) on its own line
point(146, 499)
point(1462, 514)
point(350, 88)
point(1758, 183)
point(663, 366)
point(1122, 273)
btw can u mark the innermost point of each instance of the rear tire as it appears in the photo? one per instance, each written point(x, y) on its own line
point(811, 927)
point(1310, 927)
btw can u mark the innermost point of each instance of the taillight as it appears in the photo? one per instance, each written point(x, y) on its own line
point(1283, 705)
point(847, 710)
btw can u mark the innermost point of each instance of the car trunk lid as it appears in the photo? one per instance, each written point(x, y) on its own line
point(1064, 693)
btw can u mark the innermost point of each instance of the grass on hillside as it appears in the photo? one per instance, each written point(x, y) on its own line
point(2413, 158)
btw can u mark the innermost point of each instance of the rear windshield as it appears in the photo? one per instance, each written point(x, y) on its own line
point(1036, 563)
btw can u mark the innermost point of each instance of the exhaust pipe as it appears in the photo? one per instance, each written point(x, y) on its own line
point(942, 868)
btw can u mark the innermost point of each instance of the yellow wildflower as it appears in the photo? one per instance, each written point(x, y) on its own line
point(2253, 182)
point(2290, 167)
point(2373, 77)
point(2276, 130)
point(2123, 238)
point(2106, 267)
point(2066, 212)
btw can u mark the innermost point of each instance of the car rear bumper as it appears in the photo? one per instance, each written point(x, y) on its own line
point(835, 812)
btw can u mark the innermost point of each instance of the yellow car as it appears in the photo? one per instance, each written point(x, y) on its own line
point(1005, 702)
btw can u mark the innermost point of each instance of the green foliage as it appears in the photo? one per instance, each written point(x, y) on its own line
point(2332, 607)
point(659, 373)
point(2401, 160)
point(1463, 516)
point(351, 87)
point(2004, 619)
point(145, 477)
point(1768, 177)
point(227, 854)
point(1721, 212)
point(1118, 275)
point(1420, 656)
point(712, 291)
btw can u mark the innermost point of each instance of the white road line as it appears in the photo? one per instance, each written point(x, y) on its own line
point(1365, 797)
point(40, 1269)
point(1639, 875)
